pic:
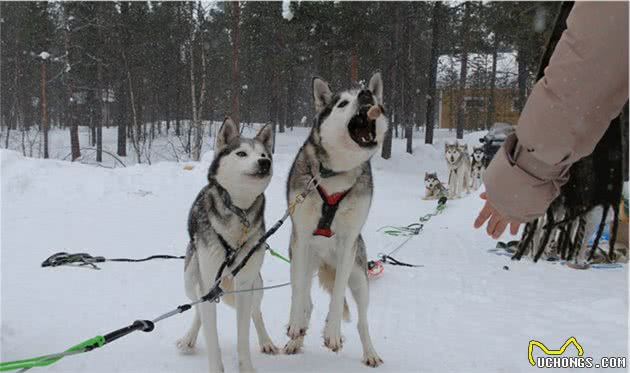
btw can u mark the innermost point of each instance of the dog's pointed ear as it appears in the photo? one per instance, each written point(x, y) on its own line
point(376, 86)
point(228, 133)
point(265, 136)
point(321, 94)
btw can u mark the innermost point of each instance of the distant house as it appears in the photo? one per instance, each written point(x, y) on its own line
point(476, 106)
point(475, 97)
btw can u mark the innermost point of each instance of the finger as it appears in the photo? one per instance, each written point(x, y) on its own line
point(499, 229)
point(484, 214)
point(494, 220)
point(483, 196)
point(514, 228)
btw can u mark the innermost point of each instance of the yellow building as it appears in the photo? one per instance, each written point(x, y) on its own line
point(476, 105)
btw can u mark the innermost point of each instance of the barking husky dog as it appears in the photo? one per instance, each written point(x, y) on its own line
point(326, 233)
point(458, 162)
point(477, 167)
point(433, 186)
point(232, 201)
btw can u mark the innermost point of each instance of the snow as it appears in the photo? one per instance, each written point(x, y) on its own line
point(461, 312)
point(287, 13)
point(44, 55)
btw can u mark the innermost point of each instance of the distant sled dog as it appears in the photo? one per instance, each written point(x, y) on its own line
point(477, 167)
point(232, 200)
point(458, 162)
point(434, 189)
point(326, 235)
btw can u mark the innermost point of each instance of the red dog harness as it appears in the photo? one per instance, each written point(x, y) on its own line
point(329, 209)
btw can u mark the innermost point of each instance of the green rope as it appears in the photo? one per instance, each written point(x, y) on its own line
point(45, 360)
point(415, 228)
point(278, 255)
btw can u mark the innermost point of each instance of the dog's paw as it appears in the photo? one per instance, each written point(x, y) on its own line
point(186, 345)
point(372, 360)
point(295, 331)
point(269, 348)
point(332, 339)
point(294, 346)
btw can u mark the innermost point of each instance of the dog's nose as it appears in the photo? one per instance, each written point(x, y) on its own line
point(365, 97)
point(264, 164)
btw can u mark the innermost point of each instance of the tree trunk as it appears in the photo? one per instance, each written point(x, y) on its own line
point(202, 96)
point(44, 99)
point(123, 119)
point(435, 53)
point(236, 41)
point(134, 113)
point(490, 113)
point(410, 74)
point(70, 115)
point(463, 75)
point(386, 152)
point(99, 96)
point(522, 79)
point(354, 67)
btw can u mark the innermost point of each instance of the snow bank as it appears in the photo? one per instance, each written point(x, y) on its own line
point(462, 311)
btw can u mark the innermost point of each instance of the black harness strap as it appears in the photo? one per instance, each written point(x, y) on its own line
point(230, 256)
point(329, 210)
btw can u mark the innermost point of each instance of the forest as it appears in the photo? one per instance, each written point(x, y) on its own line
point(152, 69)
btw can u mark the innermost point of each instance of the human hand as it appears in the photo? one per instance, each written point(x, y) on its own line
point(497, 223)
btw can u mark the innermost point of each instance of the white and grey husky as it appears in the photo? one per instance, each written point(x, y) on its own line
point(232, 200)
point(326, 233)
point(458, 162)
point(434, 189)
point(477, 167)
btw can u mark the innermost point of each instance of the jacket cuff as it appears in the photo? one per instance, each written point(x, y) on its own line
point(519, 185)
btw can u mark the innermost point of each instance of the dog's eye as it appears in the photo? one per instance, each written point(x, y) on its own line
point(241, 154)
point(343, 103)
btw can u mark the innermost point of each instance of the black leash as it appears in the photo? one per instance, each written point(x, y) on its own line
point(87, 260)
point(388, 259)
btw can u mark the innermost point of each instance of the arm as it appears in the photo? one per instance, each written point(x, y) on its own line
point(585, 86)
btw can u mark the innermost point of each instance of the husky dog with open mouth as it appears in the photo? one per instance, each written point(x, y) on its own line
point(348, 130)
point(225, 220)
point(458, 162)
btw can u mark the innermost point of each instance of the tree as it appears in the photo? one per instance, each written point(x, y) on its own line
point(436, 19)
point(236, 42)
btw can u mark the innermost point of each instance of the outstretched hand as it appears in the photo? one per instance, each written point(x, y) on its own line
point(497, 223)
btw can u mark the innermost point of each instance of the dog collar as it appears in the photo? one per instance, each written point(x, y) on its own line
point(329, 209)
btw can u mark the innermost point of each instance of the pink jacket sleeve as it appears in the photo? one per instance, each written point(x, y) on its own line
point(584, 88)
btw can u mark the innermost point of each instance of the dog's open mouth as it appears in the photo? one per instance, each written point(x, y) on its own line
point(362, 130)
point(260, 174)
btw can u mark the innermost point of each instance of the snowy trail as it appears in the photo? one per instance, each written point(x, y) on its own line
point(461, 312)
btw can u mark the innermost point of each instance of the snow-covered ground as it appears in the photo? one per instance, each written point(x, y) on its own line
point(463, 311)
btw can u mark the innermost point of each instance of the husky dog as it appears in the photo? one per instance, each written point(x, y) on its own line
point(458, 162)
point(477, 166)
point(326, 232)
point(433, 186)
point(232, 201)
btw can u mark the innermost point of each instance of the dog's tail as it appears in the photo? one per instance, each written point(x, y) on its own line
point(327, 282)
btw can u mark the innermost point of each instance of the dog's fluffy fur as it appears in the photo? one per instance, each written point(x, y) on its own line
point(338, 149)
point(434, 189)
point(458, 162)
point(477, 167)
point(238, 176)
